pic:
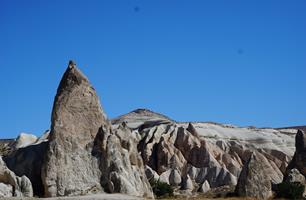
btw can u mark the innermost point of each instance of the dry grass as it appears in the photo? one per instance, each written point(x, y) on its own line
point(4, 149)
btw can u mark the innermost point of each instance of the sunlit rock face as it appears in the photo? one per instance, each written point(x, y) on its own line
point(69, 168)
point(201, 152)
point(12, 185)
point(255, 178)
point(84, 155)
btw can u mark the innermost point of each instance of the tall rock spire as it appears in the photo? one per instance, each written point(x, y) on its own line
point(69, 168)
point(84, 154)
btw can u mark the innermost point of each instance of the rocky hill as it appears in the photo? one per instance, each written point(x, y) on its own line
point(86, 153)
point(186, 155)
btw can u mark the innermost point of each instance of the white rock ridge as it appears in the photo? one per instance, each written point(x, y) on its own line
point(200, 153)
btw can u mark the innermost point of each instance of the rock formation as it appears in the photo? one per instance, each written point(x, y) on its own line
point(28, 161)
point(121, 165)
point(205, 187)
point(296, 170)
point(86, 153)
point(299, 158)
point(83, 152)
point(24, 140)
point(254, 180)
point(69, 169)
point(195, 153)
point(12, 185)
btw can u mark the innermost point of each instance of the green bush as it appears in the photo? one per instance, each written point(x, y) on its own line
point(287, 190)
point(161, 189)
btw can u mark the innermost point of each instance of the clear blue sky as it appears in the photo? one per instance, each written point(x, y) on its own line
point(240, 62)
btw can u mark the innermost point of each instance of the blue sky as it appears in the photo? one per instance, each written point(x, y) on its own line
point(240, 62)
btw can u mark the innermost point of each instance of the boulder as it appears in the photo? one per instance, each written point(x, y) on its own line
point(151, 174)
point(205, 187)
point(294, 175)
point(175, 178)
point(187, 183)
point(6, 190)
point(164, 177)
point(12, 185)
point(254, 180)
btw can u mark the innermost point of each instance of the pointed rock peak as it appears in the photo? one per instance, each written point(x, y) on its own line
point(192, 130)
point(141, 115)
point(149, 113)
point(300, 141)
point(71, 64)
point(72, 76)
point(77, 117)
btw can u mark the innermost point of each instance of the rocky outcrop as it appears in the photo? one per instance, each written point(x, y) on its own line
point(299, 159)
point(28, 161)
point(204, 152)
point(254, 180)
point(121, 165)
point(12, 185)
point(84, 154)
point(69, 169)
point(24, 140)
point(294, 175)
point(205, 187)
point(296, 170)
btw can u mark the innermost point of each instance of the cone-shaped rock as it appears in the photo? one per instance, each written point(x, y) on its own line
point(69, 168)
point(255, 178)
point(299, 159)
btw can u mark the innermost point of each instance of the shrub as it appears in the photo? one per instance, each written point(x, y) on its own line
point(289, 190)
point(161, 189)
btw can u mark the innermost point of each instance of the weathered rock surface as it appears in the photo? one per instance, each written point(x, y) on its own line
point(187, 183)
point(205, 187)
point(69, 169)
point(121, 165)
point(12, 185)
point(6, 190)
point(24, 140)
point(208, 152)
point(254, 180)
point(28, 161)
point(294, 175)
point(299, 159)
point(296, 169)
point(84, 154)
